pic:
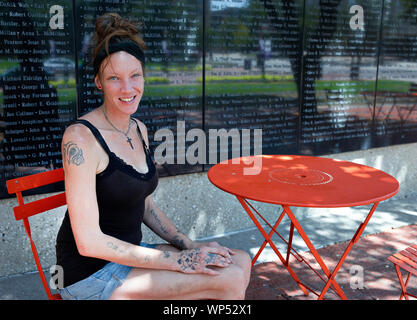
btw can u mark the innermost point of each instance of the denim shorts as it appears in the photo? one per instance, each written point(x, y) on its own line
point(101, 284)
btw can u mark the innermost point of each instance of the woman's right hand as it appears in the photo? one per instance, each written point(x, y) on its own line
point(199, 260)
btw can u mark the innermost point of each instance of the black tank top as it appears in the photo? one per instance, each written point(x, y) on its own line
point(121, 192)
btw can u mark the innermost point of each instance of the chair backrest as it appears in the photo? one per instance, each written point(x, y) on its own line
point(25, 210)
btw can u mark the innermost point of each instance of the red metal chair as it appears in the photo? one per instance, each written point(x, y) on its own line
point(406, 260)
point(24, 210)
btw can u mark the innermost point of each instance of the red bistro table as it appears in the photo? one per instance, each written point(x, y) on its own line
point(303, 181)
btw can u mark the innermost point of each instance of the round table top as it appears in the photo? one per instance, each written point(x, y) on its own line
point(303, 181)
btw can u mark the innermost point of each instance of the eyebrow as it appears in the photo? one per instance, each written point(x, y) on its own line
point(136, 70)
point(113, 73)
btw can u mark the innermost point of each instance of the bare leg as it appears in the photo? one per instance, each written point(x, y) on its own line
point(144, 284)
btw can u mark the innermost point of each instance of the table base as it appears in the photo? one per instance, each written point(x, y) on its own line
point(330, 282)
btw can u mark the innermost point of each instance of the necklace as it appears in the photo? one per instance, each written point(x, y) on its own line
point(124, 133)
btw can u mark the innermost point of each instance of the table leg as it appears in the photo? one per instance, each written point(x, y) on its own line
point(285, 261)
point(290, 242)
point(267, 238)
point(273, 230)
point(355, 239)
point(331, 276)
point(316, 255)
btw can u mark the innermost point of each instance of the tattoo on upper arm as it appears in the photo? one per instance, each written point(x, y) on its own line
point(73, 153)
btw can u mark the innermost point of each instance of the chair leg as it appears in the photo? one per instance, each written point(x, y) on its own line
point(406, 284)
point(403, 286)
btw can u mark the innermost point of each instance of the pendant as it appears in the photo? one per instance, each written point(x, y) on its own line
point(130, 142)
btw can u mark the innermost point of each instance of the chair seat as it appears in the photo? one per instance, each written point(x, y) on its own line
point(406, 260)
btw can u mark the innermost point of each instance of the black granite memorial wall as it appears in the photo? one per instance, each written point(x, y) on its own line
point(315, 76)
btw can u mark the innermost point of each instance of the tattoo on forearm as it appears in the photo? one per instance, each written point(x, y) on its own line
point(158, 221)
point(115, 247)
point(178, 243)
point(73, 153)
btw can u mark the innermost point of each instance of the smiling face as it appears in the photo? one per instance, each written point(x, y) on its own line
point(121, 79)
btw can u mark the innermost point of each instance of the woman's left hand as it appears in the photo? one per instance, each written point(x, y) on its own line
point(213, 244)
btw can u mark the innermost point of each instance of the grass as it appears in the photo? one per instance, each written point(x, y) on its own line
point(269, 87)
point(239, 86)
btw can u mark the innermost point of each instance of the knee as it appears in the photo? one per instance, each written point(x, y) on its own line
point(238, 277)
point(236, 287)
point(244, 261)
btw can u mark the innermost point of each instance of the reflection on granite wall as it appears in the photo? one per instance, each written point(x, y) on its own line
point(317, 76)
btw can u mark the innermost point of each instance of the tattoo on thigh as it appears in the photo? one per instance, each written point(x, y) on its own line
point(73, 153)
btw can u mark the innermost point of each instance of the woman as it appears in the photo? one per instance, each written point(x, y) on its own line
point(109, 180)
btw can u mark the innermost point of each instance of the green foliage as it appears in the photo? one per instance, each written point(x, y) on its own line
point(259, 78)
